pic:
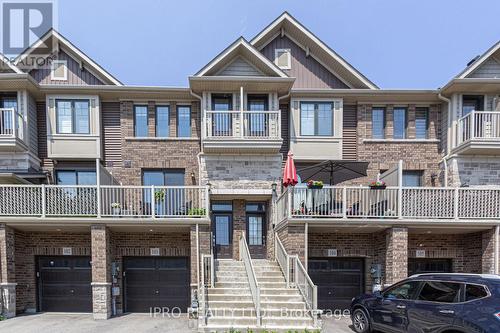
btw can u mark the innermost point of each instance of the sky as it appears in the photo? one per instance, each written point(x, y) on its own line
point(397, 44)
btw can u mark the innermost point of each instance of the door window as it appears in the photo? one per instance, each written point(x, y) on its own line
point(439, 291)
point(255, 230)
point(403, 291)
point(222, 225)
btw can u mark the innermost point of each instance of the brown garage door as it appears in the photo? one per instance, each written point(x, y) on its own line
point(156, 282)
point(64, 284)
point(338, 281)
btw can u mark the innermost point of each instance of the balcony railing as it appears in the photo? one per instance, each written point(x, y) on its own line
point(12, 124)
point(242, 125)
point(390, 203)
point(104, 201)
point(483, 125)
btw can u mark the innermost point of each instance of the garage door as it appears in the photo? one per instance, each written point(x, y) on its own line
point(422, 265)
point(64, 284)
point(338, 281)
point(156, 282)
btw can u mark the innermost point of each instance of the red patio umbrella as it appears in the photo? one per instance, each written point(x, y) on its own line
point(289, 173)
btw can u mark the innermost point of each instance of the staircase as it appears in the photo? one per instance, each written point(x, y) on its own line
point(230, 303)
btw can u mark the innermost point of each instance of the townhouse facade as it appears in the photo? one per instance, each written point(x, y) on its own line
point(113, 196)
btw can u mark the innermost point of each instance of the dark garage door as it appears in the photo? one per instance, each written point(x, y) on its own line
point(156, 282)
point(338, 281)
point(64, 284)
point(422, 265)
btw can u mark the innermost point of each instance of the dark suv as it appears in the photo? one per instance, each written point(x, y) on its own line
point(440, 303)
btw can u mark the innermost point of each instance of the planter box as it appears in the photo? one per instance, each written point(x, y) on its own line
point(380, 187)
point(315, 187)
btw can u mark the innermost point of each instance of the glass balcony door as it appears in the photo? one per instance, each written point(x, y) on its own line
point(222, 124)
point(257, 123)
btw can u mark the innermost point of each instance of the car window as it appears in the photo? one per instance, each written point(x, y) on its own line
point(438, 291)
point(403, 291)
point(473, 291)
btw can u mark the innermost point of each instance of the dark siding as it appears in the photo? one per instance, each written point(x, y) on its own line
point(75, 75)
point(308, 72)
point(42, 135)
point(111, 133)
point(349, 146)
point(285, 133)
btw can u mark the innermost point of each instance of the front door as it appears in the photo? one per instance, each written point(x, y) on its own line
point(222, 231)
point(256, 229)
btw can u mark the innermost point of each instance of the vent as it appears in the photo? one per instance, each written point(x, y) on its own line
point(473, 60)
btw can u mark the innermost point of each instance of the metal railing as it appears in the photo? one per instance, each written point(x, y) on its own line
point(305, 285)
point(282, 258)
point(484, 125)
point(113, 201)
point(243, 124)
point(252, 278)
point(345, 202)
point(12, 124)
point(207, 280)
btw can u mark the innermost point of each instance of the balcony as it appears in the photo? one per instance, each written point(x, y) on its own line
point(479, 133)
point(242, 131)
point(433, 204)
point(12, 130)
point(105, 202)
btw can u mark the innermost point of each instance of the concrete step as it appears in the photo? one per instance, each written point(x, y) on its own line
point(281, 298)
point(279, 291)
point(229, 291)
point(267, 305)
point(272, 284)
point(230, 273)
point(230, 305)
point(231, 284)
point(270, 278)
point(228, 278)
point(296, 323)
point(230, 298)
point(235, 312)
point(232, 321)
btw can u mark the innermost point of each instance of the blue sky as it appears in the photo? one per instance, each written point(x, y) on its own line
point(395, 43)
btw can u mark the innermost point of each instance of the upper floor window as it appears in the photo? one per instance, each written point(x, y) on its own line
point(140, 120)
point(73, 116)
point(378, 123)
point(412, 178)
point(162, 121)
point(421, 122)
point(184, 121)
point(316, 118)
point(283, 58)
point(163, 177)
point(59, 70)
point(400, 123)
point(76, 177)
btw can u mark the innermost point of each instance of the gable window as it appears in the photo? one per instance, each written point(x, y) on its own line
point(59, 70)
point(283, 58)
point(162, 121)
point(399, 123)
point(184, 121)
point(421, 122)
point(73, 116)
point(316, 118)
point(378, 123)
point(412, 178)
point(140, 120)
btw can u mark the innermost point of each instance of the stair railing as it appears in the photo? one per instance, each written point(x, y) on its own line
point(252, 278)
point(207, 281)
point(306, 287)
point(282, 258)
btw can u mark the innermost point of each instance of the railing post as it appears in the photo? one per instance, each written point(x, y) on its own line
point(287, 274)
point(153, 203)
point(44, 201)
point(344, 202)
point(455, 203)
point(473, 124)
point(207, 201)
point(279, 125)
point(296, 271)
point(400, 201)
point(290, 204)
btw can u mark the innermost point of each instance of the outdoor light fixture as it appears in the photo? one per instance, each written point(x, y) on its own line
point(273, 187)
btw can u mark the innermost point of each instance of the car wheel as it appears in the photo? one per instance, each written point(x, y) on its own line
point(360, 321)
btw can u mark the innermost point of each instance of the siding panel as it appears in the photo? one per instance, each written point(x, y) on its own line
point(32, 125)
point(285, 130)
point(490, 69)
point(111, 133)
point(349, 133)
point(41, 112)
point(239, 67)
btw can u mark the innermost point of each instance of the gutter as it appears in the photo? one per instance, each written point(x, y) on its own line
point(447, 156)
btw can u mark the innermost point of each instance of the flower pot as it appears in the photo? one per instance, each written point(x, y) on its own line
point(378, 187)
point(116, 211)
point(315, 187)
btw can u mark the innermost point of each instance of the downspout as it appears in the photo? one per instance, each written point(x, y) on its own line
point(447, 156)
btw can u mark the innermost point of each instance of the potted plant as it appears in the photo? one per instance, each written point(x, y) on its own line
point(196, 211)
point(116, 208)
point(378, 185)
point(315, 184)
point(160, 195)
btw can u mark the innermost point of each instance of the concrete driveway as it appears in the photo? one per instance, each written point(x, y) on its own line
point(130, 323)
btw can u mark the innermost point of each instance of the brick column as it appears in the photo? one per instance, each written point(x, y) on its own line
point(396, 256)
point(203, 245)
point(488, 252)
point(101, 271)
point(239, 225)
point(8, 271)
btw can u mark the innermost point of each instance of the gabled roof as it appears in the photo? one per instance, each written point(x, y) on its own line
point(9, 64)
point(480, 61)
point(241, 48)
point(74, 52)
point(286, 24)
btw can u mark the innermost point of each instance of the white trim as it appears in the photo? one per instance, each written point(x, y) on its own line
point(288, 52)
point(10, 64)
point(479, 61)
point(53, 68)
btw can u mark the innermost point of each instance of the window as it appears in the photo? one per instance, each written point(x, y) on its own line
point(421, 122)
point(316, 118)
point(399, 123)
point(6, 126)
point(257, 124)
point(167, 177)
point(184, 121)
point(170, 201)
point(473, 291)
point(59, 70)
point(283, 58)
point(222, 217)
point(412, 178)
point(140, 120)
point(472, 103)
point(73, 116)
point(443, 292)
point(378, 123)
point(403, 291)
point(255, 223)
point(162, 121)
point(76, 177)
point(222, 121)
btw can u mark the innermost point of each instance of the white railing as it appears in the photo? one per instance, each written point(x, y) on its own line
point(243, 124)
point(484, 125)
point(348, 202)
point(207, 280)
point(252, 278)
point(115, 201)
point(12, 124)
point(306, 287)
point(282, 258)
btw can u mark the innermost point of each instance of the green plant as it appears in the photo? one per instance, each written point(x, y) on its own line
point(116, 205)
point(2, 317)
point(160, 195)
point(196, 211)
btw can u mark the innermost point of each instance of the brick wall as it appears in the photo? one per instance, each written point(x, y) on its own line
point(396, 254)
